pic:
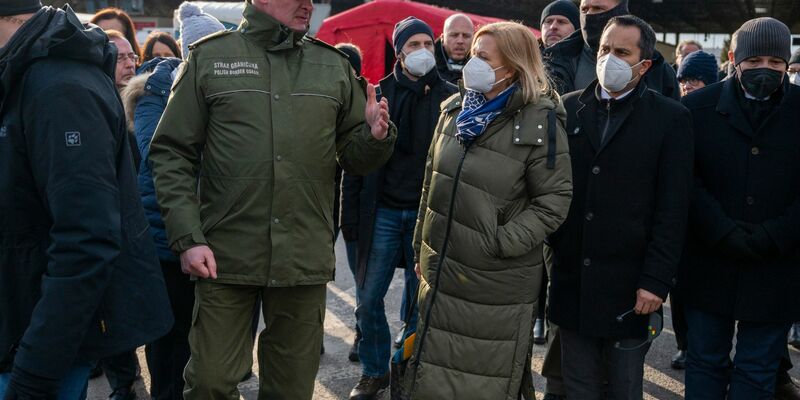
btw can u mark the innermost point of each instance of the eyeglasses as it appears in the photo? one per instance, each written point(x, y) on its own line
point(691, 82)
point(132, 56)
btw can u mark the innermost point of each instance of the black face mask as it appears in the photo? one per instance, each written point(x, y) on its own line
point(761, 82)
point(592, 25)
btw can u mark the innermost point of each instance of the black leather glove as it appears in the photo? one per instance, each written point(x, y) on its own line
point(26, 386)
point(735, 246)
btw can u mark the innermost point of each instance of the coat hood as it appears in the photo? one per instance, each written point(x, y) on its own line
point(58, 33)
point(130, 96)
point(155, 76)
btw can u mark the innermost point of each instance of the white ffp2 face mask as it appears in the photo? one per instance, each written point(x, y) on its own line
point(479, 75)
point(794, 78)
point(614, 73)
point(419, 62)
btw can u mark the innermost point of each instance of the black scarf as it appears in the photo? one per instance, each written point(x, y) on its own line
point(592, 25)
point(402, 108)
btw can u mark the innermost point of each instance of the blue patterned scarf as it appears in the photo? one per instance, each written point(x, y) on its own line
point(477, 113)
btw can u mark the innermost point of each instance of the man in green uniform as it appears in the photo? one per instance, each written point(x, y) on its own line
point(244, 160)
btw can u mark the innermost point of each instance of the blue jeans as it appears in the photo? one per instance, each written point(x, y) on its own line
point(710, 373)
point(73, 385)
point(392, 239)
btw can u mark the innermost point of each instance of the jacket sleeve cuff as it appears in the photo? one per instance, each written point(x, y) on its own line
point(655, 286)
point(187, 242)
point(391, 134)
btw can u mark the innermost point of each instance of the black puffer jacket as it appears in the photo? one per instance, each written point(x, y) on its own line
point(79, 278)
point(561, 61)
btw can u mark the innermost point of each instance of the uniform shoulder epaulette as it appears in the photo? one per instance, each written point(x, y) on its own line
point(210, 37)
point(326, 45)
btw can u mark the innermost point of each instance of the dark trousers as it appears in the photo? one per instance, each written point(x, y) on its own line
point(120, 369)
point(710, 373)
point(167, 356)
point(678, 314)
point(542, 305)
point(595, 370)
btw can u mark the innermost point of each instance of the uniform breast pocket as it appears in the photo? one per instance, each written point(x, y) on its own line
point(229, 99)
point(316, 106)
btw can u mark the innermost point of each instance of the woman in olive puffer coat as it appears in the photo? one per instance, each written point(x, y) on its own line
point(498, 181)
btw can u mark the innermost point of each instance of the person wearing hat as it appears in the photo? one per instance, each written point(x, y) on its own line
point(571, 62)
point(79, 277)
point(696, 71)
point(741, 273)
point(559, 19)
point(452, 48)
point(381, 208)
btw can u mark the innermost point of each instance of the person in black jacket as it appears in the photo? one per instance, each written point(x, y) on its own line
point(452, 49)
point(559, 20)
point(571, 62)
point(79, 278)
point(616, 255)
point(385, 203)
point(741, 271)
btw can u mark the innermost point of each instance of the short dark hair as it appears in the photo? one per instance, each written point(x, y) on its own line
point(647, 37)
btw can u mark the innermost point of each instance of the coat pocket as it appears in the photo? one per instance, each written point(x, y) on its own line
point(228, 195)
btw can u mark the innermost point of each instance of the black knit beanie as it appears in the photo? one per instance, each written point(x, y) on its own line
point(353, 56)
point(17, 7)
point(699, 65)
point(795, 58)
point(407, 28)
point(564, 8)
point(762, 37)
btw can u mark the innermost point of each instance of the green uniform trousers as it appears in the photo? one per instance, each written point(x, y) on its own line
point(222, 344)
point(551, 368)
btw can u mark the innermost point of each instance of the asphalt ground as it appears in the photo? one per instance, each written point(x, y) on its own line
point(337, 375)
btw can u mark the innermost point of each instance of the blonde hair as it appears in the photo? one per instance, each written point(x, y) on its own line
point(520, 51)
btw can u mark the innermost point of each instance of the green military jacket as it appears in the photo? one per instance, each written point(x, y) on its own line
point(245, 154)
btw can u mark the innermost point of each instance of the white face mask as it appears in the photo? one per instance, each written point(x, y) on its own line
point(419, 62)
point(794, 78)
point(614, 73)
point(479, 75)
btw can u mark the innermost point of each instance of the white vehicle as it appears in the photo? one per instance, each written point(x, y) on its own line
point(230, 14)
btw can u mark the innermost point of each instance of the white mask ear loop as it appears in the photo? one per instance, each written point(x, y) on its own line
point(632, 67)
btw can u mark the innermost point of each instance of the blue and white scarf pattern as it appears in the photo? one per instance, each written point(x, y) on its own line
point(477, 113)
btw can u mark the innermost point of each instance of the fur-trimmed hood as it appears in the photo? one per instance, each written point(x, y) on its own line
point(131, 95)
point(154, 77)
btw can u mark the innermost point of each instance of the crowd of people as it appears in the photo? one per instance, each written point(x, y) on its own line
point(550, 191)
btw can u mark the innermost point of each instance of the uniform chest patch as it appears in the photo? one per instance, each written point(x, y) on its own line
point(236, 68)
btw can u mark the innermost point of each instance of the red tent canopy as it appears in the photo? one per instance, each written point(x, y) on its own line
point(370, 27)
